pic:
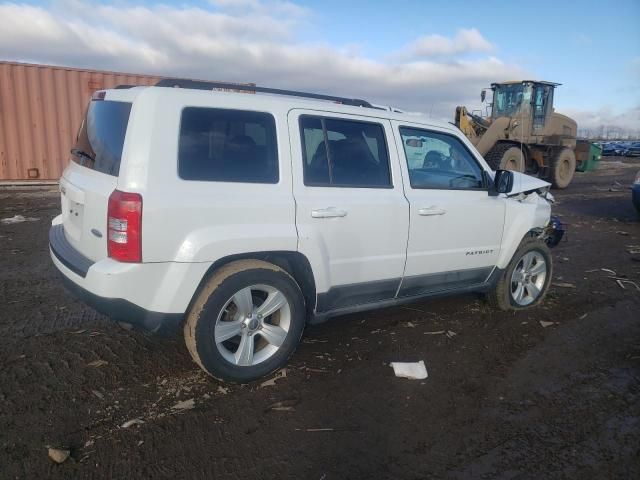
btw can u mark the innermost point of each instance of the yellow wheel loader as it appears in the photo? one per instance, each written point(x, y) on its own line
point(522, 131)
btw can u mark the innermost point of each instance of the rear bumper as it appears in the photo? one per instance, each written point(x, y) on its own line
point(124, 311)
point(151, 296)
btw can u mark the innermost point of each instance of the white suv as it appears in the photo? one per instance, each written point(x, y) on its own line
point(242, 215)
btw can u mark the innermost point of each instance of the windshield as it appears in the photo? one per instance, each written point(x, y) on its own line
point(508, 98)
point(101, 136)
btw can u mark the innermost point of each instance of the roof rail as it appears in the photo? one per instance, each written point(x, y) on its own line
point(200, 85)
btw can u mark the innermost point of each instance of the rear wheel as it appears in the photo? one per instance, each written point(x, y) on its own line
point(563, 166)
point(246, 321)
point(526, 279)
point(506, 157)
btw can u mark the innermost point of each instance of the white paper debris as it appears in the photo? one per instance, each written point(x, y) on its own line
point(18, 219)
point(185, 405)
point(58, 455)
point(129, 423)
point(410, 370)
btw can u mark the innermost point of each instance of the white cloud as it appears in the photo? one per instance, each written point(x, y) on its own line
point(465, 41)
point(607, 121)
point(247, 41)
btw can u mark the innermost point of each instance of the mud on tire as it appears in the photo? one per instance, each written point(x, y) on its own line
point(214, 315)
point(562, 167)
point(506, 156)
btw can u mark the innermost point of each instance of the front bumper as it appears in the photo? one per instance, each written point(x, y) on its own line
point(152, 296)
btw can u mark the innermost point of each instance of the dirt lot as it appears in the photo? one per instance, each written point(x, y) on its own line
point(505, 398)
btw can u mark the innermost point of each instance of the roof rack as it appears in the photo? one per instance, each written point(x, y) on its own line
point(200, 85)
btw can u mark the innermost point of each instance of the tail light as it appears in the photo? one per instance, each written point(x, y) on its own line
point(124, 227)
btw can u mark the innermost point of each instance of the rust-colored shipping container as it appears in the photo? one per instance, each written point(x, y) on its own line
point(41, 108)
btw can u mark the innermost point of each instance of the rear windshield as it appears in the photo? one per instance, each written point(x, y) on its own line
point(101, 136)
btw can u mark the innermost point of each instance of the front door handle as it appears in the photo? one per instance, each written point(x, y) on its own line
point(425, 212)
point(330, 212)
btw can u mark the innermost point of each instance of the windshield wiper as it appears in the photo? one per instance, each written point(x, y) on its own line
point(82, 154)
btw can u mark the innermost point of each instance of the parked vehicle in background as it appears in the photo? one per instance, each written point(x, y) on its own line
point(609, 149)
point(240, 217)
point(620, 149)
point(635, 193)
point(632, 150)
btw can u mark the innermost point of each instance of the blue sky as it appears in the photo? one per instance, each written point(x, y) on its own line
point(588, 46)
point(419, 55)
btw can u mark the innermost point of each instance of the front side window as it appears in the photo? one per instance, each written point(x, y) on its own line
point(219, 145)
point(440, 161)
point(508, 99)
point(101, 136)
point(344, 153)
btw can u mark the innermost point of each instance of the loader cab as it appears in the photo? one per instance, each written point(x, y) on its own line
point(526, 100)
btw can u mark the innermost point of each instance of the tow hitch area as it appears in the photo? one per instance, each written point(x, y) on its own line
point(554, 231)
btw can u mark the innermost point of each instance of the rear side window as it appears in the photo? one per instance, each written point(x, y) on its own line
point(220, 145)
point(101, 136)
point(344, 153)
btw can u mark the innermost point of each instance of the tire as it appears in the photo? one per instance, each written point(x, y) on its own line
point(218, 322)
point(506, 156)
point(562, 168)
point(504, 297)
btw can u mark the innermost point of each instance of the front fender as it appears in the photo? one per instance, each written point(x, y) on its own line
point(523, 214)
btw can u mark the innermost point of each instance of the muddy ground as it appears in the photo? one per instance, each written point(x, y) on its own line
point(505, 397)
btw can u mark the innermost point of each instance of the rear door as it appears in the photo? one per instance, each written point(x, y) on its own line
point(92, 175)
point(456, 227)
point(351, 213)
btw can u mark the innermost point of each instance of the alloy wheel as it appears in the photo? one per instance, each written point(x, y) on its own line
point(252, 325)
point(528, 278)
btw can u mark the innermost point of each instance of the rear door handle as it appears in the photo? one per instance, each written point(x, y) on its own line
point(425, 212)
point(330, 212)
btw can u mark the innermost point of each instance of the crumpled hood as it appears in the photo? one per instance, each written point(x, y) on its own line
point(526, 183)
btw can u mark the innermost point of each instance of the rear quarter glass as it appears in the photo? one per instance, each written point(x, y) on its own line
point(101, 136)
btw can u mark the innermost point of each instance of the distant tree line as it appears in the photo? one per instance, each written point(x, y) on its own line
point(609, 132)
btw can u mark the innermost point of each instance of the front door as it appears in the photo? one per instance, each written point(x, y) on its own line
point(456, 227)
point(351, 213)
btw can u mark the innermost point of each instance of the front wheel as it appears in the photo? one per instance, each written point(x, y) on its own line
point(246, 322)
point(526, 279)
point(506, 157)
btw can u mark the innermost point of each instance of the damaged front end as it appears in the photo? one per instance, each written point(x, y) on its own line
point(553, 232)
point(528, 189)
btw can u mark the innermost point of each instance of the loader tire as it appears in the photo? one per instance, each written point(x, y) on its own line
point(506, 156)
point(562, 167)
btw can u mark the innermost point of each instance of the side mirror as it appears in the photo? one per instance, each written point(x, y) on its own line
point(483, 95)
point(503, 181)
point(487, 183)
